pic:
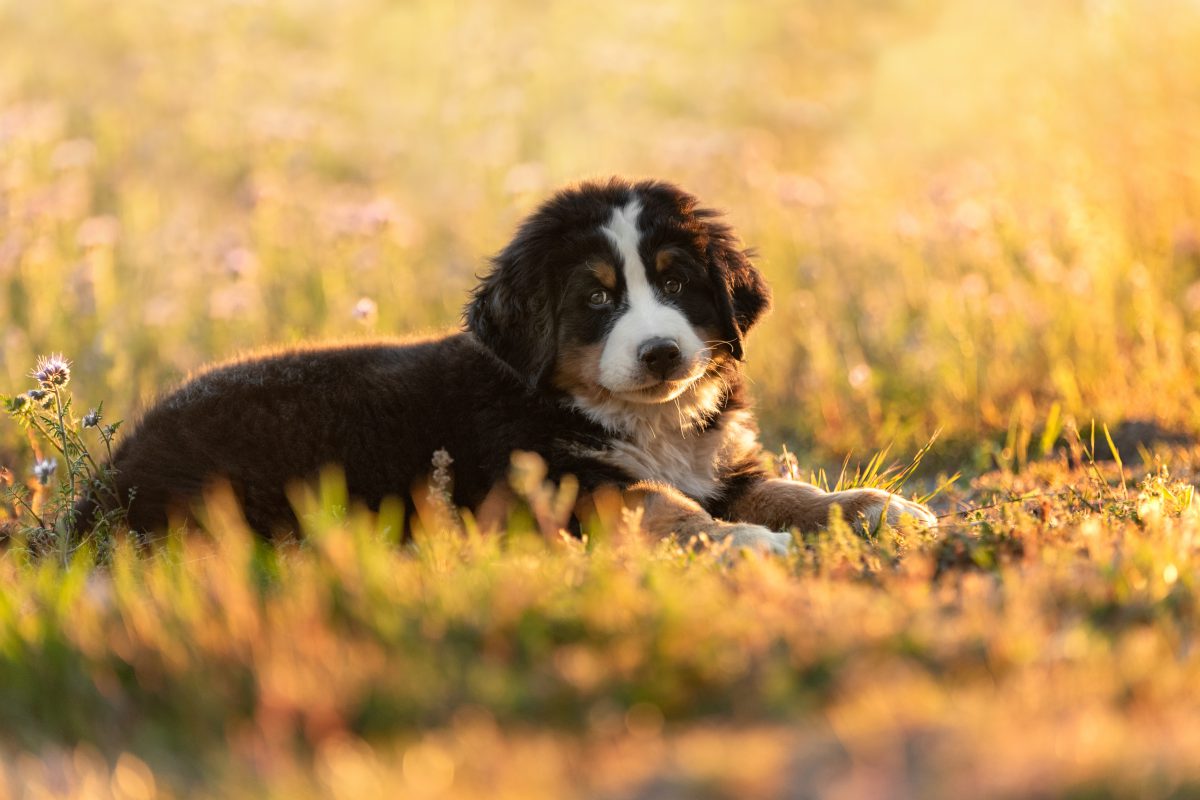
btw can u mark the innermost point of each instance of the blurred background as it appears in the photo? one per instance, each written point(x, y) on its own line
point(976, 216)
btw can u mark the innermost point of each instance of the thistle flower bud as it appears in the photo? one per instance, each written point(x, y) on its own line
point(52, 370)
point(19, 405)
point(43, 470)
point(40, 397)
point(91, 419)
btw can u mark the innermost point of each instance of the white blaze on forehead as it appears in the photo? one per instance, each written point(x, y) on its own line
point(645, 316)
point(622, 231)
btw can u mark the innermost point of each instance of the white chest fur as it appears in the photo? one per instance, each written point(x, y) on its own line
point(687, 462)
point(660, 446)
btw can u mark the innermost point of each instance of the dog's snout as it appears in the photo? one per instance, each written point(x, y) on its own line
point(660, 356)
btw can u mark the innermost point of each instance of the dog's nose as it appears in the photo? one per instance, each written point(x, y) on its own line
point(659, 356)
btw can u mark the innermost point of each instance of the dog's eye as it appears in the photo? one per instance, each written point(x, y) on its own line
point(672, 286)
point(599, 299)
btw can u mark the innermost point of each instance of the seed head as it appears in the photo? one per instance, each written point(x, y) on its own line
point(91, 419)
point(40, 397)
point(440, 481)
point(53, 370)
point(441, 458)
point(43, 470)
point(19, 405)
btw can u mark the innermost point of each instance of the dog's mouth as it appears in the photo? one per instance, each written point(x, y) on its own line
point(660, 390)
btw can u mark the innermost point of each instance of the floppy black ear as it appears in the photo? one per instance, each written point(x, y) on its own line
point(511, 312)
point(742, 294)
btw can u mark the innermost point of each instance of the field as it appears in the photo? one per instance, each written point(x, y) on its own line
point(981, 221)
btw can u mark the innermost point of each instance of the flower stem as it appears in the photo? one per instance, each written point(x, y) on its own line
point(72, 468)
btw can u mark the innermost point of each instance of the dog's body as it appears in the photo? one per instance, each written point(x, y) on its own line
point(606, 338)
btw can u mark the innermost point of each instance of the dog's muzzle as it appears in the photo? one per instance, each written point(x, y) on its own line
point(660, 357)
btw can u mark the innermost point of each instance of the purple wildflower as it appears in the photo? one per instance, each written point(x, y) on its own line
point(52, 370)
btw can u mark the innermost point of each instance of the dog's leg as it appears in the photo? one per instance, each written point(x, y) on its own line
point(666, 512)
point(781, 505)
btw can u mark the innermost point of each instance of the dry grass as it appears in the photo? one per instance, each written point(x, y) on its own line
point(979, 217)
point(1041, 647)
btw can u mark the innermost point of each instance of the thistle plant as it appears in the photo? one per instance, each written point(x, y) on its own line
point(44, 501)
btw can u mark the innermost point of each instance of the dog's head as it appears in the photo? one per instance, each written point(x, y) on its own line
point(619, 290)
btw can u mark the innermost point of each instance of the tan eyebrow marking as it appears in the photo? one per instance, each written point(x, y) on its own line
point(664, 258)
point(605, 273)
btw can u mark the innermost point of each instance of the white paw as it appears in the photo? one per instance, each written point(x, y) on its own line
point(899, 508)
point(872, 503)
point(757, 538)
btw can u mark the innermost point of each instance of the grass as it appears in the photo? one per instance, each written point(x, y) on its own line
point(1040, 646)
point(978, 218)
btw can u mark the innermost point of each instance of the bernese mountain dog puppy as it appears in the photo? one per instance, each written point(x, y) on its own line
point(607, 338)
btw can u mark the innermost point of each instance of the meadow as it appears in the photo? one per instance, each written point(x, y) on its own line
point(981, 222)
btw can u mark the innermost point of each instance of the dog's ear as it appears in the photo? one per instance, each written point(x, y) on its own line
point(512, 313)
point(742, 294)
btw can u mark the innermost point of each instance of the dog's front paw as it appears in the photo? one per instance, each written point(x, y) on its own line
point(757, 538)
point(866, 508)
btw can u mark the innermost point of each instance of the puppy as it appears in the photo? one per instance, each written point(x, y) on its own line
point(607, 338)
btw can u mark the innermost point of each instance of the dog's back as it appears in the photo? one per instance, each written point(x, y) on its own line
point(377, 411)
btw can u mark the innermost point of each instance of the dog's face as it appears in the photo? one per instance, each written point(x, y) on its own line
point(618, 290)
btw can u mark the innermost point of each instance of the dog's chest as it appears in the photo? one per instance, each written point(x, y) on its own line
point(691, 461)
point(686, 462)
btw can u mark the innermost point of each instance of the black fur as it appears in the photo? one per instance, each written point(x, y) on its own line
point(380, 411)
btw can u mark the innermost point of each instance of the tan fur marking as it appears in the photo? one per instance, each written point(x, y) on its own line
point(605, 273)
point(664, 258)
point(666, 511)
point(577, 369)
point(780, 505)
